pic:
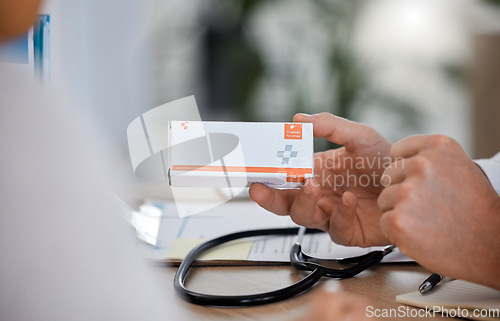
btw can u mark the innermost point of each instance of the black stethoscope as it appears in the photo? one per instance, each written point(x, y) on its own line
point(298, 259)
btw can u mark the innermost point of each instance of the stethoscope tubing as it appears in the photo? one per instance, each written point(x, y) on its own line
point(241, 300)
point(297, 259)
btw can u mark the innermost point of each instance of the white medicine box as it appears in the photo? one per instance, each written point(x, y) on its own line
point(236, 154)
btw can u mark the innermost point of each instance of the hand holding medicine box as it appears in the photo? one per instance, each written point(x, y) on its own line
point(222, 154)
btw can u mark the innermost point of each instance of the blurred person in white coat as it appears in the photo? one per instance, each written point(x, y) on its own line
point(65, 253)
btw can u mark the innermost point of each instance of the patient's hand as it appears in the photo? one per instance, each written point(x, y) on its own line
point(342, 198)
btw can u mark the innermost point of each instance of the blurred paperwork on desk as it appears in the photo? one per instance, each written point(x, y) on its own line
point(177, 236)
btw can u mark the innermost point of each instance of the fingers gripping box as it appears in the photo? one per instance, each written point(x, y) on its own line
point(232, 154)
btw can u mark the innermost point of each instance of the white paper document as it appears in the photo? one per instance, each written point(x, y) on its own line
point(178, 235)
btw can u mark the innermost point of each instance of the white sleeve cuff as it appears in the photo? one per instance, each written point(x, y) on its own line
point(491, 167)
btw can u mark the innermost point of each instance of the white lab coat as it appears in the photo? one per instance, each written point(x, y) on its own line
point(491, 167)
point(64, 252)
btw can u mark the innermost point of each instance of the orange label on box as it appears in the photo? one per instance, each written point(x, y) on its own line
point(293, 131)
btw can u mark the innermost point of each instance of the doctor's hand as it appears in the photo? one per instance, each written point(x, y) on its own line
point(342, 198)
point(441, 210)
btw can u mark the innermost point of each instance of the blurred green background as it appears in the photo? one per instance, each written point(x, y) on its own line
point(401, 66)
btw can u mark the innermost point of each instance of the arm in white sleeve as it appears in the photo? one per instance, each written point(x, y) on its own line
point(491, 167)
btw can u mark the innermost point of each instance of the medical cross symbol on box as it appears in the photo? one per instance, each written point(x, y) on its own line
point(286, 154)
point(184, 125)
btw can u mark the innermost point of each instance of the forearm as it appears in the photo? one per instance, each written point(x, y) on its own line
point(485, 264)
point(493, 267)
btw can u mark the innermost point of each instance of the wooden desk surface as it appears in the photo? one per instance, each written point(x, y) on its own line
point(379, 285)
